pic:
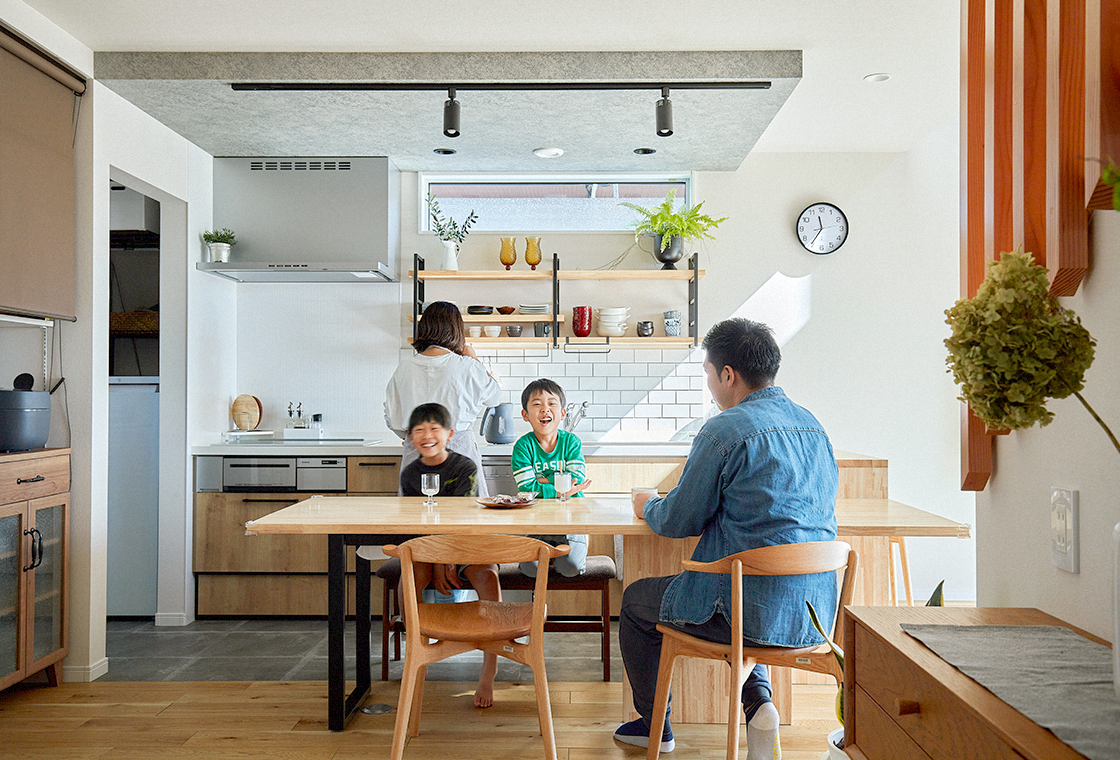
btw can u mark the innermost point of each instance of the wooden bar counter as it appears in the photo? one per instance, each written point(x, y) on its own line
point(699, 688)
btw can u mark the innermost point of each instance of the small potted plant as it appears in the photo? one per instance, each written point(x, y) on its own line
point(219, 242)
point(450, 232)
point(671, 228)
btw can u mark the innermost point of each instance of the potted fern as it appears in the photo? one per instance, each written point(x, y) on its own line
point(219, 243)
point(450, 232)
point(671, 228)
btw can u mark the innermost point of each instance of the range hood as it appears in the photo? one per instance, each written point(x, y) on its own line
point(247, 271)
point(308, 219)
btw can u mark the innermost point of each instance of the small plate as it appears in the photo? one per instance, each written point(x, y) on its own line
point(480, 309)
point(507, 503)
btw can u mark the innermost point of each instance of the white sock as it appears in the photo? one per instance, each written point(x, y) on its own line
point(763, 741)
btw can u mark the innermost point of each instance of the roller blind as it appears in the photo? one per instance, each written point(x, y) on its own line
point(36, 188)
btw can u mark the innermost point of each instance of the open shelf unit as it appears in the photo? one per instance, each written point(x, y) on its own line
point(692, 276)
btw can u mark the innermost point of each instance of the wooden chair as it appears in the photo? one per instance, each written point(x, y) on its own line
point(493, 627)
point(596, 577)
point(785, 559)
point(900, 541)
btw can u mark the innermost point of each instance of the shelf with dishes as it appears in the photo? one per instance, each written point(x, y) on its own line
point(690, 276)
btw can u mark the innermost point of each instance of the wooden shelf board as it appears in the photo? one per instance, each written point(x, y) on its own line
point(483, 274)
point(508, 319)
point(629, 342)
point(507, 342)
point(627, 274)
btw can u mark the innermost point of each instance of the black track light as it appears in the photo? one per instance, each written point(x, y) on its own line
point(451, 115)
point(664, 114)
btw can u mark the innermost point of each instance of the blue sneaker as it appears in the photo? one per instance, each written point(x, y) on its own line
point(636, 732)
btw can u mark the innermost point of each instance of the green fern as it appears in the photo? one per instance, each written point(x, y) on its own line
point(662, 220)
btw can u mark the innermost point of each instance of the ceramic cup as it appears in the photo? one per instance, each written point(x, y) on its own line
point(475, 331)
point(645, 329)
point(542, 329)
point(635, 491)
point(673, 328)
point(492, 331)
point(673, 314)
point(513, 331)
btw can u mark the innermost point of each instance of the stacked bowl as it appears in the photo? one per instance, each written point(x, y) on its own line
point(612, 321)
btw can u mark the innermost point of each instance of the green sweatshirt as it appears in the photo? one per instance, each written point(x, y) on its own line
point(530, 461)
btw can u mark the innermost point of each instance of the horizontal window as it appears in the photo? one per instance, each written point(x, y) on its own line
point(547, 203)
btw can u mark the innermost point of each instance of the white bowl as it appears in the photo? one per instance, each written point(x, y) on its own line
point(614, 310)
point(474, 331)
point(611, 331)
point(492, 331)
point(613, 320)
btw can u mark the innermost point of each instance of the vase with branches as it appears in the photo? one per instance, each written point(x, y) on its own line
point(450, 232)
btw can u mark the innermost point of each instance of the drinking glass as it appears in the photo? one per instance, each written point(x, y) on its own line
point(563, 483)
point(507, 255)
point(532, 251)
point(429, 486)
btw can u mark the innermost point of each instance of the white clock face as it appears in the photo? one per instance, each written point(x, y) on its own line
point(822, 228)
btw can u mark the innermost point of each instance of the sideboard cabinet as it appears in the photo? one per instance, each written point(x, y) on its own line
point(34, 563)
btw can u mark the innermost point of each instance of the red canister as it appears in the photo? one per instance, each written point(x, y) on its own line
point(581, 321)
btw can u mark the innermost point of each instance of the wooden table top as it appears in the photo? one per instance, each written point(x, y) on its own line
point(589, 515)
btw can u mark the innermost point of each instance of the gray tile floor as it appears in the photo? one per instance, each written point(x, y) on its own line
point(296, 650)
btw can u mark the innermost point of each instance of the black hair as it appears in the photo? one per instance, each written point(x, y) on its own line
point(747, 347)
point(441, 325)
point(436, 413)
point(544, 385)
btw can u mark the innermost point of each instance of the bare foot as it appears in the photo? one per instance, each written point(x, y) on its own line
point(484, 694)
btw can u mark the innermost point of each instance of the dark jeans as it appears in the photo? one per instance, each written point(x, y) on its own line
point(640, 642)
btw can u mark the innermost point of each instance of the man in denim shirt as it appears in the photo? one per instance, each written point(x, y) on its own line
point(760, 473)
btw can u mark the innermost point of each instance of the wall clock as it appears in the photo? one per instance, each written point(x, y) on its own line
point(822, 228)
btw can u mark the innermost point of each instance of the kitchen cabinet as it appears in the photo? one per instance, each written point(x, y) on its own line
point(34, 564)
point(420, 277)
point(271, 575)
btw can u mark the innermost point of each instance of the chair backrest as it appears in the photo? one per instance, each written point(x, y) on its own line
point(785, 559)
point(473, 550)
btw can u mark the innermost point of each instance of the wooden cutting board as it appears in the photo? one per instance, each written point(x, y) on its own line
point(250, 405)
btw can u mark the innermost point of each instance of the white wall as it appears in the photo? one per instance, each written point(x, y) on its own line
point(1013, 514)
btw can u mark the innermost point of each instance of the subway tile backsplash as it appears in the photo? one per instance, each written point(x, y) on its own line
point(632, 394)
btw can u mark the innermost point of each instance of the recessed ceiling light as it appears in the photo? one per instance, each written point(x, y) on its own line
point(444, 151)
point(645, 151)
point(548, 152)
point(876, 77)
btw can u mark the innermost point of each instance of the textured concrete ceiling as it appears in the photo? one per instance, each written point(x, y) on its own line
point(714, 129)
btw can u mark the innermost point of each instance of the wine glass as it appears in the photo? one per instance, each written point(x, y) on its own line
point(429, 486)
point(563, 483)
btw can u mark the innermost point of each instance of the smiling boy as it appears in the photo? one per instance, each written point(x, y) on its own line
point(539, 455)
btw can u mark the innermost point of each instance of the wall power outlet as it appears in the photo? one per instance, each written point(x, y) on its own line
point(1064, 542)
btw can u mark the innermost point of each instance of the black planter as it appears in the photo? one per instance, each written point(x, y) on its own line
point(672, 253)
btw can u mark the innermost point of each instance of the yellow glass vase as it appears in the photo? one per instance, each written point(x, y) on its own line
point(532, 251)
point(508, 255)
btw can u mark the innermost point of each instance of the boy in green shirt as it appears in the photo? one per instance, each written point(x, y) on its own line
point(539, 455)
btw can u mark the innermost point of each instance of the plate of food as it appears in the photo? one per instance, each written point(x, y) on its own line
point(502, 501)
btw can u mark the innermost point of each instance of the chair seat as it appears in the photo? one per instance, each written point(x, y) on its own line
point(599, 568)
point(476, 621)
point(760, 653)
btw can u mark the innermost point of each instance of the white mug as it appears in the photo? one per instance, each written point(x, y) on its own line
point(635, 491)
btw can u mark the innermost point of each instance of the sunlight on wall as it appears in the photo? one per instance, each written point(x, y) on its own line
point(783, 303)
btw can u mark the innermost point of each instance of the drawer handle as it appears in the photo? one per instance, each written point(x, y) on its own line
point(377, 464)
point(36, 479)
point(36, 548)
point(907, 707)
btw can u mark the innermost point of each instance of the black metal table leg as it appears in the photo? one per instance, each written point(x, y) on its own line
point(336, 632)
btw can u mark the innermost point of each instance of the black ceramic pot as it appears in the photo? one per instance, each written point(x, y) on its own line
point(673, 252)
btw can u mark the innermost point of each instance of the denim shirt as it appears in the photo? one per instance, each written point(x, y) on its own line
point(759, 474)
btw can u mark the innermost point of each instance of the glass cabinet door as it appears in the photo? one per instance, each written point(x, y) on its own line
point(47, 582)
point(11, 579)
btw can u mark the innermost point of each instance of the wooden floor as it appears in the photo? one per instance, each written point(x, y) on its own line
point(241, 721)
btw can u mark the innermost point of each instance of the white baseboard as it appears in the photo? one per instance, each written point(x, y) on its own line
point(85, 673)
point(173, 619)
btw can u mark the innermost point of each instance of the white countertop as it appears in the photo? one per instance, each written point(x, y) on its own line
point(390, 446)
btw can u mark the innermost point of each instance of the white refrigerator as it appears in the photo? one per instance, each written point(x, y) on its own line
point(133, 529)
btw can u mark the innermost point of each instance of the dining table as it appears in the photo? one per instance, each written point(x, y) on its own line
point(378, 520)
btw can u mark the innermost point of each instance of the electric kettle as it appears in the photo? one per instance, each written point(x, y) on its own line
point(497, 424)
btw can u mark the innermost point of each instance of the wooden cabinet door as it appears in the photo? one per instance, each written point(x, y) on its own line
point(13, 522)
point(373, 475)
point(47, 581)
point(221, 546)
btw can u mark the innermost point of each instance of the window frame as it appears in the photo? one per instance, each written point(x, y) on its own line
point(558, 178)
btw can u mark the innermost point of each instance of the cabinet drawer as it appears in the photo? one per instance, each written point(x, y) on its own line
point(945, 727)
point(380, 475)
point(880, 738)
point(221, 546)
point(26, 479)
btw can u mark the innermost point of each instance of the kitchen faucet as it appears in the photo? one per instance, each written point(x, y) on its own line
point(575, 413)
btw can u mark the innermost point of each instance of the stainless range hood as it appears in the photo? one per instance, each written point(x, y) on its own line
point(353, 271)
point(308, 219)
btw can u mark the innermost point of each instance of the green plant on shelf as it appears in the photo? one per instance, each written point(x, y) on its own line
point(224, 235)
point(687, 223)
point(449, 229)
